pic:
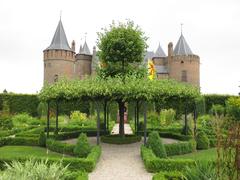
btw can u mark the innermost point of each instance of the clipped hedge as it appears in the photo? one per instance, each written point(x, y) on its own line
point(20, 103)
point(154, 164)
point(163, 175)
point(74, 164)
point(19, 141)
point(180, 148)
point(60, 147)
point(116, 139)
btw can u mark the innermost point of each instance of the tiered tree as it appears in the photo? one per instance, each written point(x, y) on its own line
point(121, 52)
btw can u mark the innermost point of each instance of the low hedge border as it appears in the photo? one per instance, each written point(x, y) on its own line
point(79, 175)
point(19, 141)
point(60, 147)
point(116, 139)
point(75, 134)
point(180, 148)
point(74, 164)
point(154, 164)
point(163, 175)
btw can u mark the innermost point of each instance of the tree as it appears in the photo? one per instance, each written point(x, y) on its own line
point(121, 51)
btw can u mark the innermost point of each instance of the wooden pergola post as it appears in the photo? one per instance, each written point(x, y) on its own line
point(145, 123)
point(185, 119)
point(137, 117)
point(98, 123)
point(105, 115)
point(48, 118)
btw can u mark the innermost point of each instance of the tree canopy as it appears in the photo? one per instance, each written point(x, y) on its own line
point(121, 48)
point(113, 88)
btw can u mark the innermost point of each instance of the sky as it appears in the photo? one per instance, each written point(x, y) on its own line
point(211, 28)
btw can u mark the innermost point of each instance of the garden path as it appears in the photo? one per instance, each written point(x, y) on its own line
point(120, 162)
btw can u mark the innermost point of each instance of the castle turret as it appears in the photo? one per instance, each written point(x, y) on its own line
point(58, 57)
point(83, 61)
point(160, 62)
point(184, 64)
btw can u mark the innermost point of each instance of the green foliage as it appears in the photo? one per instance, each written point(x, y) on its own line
point(79, 117)
point(155, 143)
point(20, 141)
point(42, 139)
point(169, 175)
point(154, 164)
point(217, 109)
point(233, 108)
point(119, 46)
point(167, 117)
point(203, 170)
point(116, 139)
point(20, 103)
point(211, 99)
point(202, 140)
point(204, 120)
point(82, 148)
point(200, 105)
point(60, 147)
point(24, 120)
point(42, 109)
point(5, 122)
point(32, 169)
point(5, 108)
point(114, 89)
point(180, 148)
point(75, 175)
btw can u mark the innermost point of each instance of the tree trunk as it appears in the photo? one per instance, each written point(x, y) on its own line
point(121, 119)
point(105, 116)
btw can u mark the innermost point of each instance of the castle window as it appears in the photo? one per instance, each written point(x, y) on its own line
point(45, 65)
point(55, 78)
point(184, 76)
point(182, 62)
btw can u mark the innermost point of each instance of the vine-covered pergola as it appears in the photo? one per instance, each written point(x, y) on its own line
point(109, 89)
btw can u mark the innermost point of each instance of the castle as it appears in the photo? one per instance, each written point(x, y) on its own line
point(61, 60)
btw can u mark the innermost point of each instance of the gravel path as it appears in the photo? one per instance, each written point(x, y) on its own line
point(120, 162)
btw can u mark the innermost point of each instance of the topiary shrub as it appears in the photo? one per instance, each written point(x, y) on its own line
point(42, 139)
point(82, 148)
point(155, 143)
point(202, 140)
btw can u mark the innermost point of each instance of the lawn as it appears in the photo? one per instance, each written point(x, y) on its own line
point(203, 155)
point(26, 151)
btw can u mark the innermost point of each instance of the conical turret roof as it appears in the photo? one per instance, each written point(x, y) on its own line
point(84, 49)
point(59, 40)
point(159, 52)
point(182, 48)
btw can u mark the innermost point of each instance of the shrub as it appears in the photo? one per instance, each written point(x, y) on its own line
point(217, 109)
point(167, 116)
point(202, 140)
point(42, 139)
point(180, 148)
point(60, 147)
point(169, 175)
point(75, 175)
point(5, 122)
point(155, 143)
point(32, 169)
point(233, 108)
point(155, 164)
point(25, 119)
point(82, 148)
point(116, 139)
point(21, 141)
point(42, 109)
point(203, 170)
point(78, 116)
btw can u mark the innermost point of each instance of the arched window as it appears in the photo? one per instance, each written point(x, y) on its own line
point(184, 76)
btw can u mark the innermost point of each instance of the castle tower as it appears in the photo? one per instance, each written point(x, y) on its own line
point(59, 57)
point(160, 62)
point(183, 63)
point(83, 62)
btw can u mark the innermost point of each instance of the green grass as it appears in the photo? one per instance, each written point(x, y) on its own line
point(203, 155)
point(26, 151)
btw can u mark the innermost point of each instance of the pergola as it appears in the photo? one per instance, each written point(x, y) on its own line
point(112, 89)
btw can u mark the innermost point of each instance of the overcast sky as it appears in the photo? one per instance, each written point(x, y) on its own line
point(211, 28)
